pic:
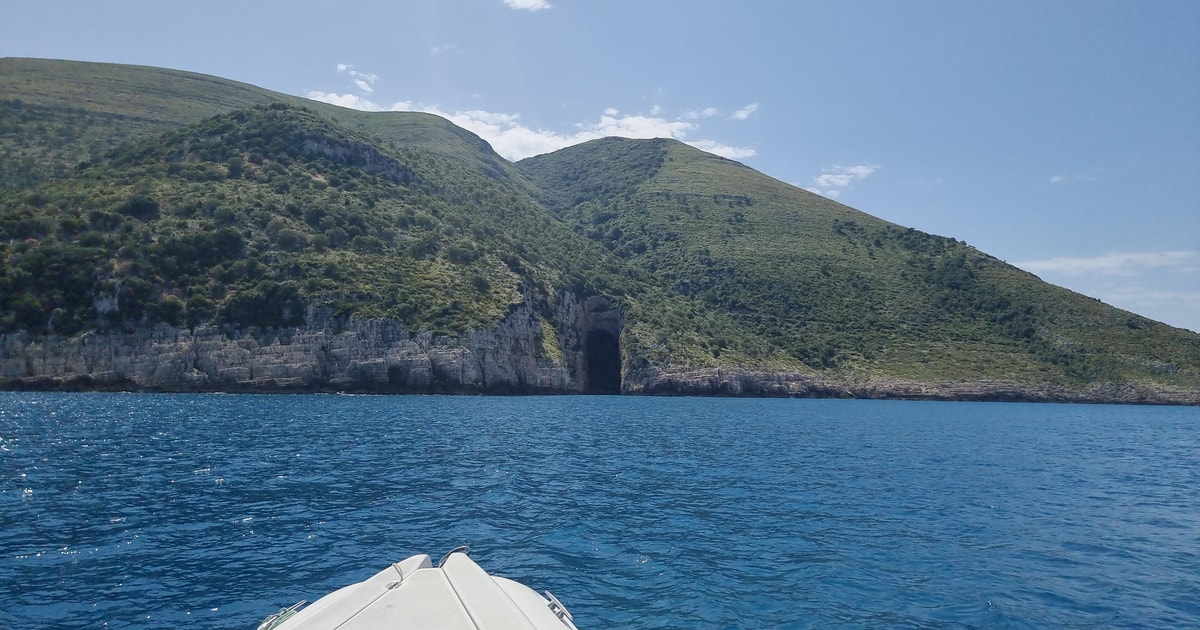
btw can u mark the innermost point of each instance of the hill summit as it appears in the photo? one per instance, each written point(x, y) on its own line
point(232, 238)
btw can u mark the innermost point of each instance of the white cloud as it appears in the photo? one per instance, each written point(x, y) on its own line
point(1115, 264)
point(1161, 285)
point(842, 176)
point(696, 114)
point(353, 101)
point(744, 113)
point(438, 49)
point(527, 5)
point(637, 126)
point(363, 80)
point(723, 150)
point(831, 193)
point(1175, 307)
point(1158, 298)
point(1080, 177)
point(514, 140)
point(1151, 297)
point(831, 182)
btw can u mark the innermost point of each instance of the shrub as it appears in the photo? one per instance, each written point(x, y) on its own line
point(291, 240)
point(139, 207)
point(268, 304)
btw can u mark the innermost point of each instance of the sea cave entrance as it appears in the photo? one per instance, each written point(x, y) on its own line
point(603, 359)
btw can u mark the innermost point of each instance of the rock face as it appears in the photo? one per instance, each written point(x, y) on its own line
point(580, 352)
point(360, 356)
point(591, 334)
point(746, 382)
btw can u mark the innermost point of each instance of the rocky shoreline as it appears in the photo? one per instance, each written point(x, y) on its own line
point(525, 353)
point(696, 383)
point(378, 356)
point(360, 356)
point(752, 383)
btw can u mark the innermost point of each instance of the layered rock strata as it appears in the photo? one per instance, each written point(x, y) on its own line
point(758, 383)
point(359, 355)
point(516, 356)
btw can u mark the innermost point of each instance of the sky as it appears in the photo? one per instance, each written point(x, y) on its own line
point(1060, 136)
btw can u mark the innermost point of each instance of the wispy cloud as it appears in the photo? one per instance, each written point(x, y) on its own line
point(514, 140)
point(832, 181)
point(696, 114)
point(1152, 297)
point(354, 101)
point(443, 48)
point(362, 80)
point(1161, 285)
point(527, 5)
point(1115, 263)
point(1156, 298)
point(1079, 177)
point(724, 150)
point(842, 176)
point(1173, 306)
point(745, 112)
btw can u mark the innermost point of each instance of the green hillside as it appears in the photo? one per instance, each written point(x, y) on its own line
point(836, 289)
point(55, 114)
point(249, 218)
point(134, 196)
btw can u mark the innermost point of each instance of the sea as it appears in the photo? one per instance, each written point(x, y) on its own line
point(214, 511)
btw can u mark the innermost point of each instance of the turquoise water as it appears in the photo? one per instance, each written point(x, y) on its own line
point(128, 510)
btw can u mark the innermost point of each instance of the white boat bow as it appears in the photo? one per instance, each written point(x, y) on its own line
point(454, 595)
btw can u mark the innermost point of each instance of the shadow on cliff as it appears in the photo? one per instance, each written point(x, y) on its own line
point(603, 375)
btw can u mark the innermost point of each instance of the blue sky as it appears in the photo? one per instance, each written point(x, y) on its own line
point(1061, 136)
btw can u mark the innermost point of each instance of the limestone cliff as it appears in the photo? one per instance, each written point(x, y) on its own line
point(759, 383)
point(577, 352)
point(322, 355)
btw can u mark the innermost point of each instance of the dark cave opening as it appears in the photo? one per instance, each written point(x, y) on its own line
point(603, 355)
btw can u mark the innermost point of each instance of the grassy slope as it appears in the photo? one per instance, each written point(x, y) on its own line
point(721, 265)
point(74, 111)
point(836, 289)
point(249, 216)
point(84, 109)
point(79, 110)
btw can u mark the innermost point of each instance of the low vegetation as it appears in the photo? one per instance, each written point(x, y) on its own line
point(810, 282)
point(251, 217)
point(216, 203)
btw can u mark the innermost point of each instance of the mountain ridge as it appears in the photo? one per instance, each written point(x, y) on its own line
point(689, 272)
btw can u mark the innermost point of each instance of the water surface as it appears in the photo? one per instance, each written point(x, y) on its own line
point(130, 510)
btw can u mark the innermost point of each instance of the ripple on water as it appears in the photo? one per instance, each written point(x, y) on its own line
point(132, 510)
